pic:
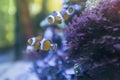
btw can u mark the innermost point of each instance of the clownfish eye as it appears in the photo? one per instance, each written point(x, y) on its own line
point(70, 10)
point(50, 19)
point(30, 41)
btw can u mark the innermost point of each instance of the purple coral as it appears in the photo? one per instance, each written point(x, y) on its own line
point(95, 36)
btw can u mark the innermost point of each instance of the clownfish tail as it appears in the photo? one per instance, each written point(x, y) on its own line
point(53, 46)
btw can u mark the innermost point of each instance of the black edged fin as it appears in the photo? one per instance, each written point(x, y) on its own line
point(54, 46)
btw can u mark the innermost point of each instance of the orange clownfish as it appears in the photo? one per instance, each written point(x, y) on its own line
point(33, 40)
point(59, 17)
point(40, 43)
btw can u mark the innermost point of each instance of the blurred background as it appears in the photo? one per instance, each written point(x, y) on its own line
point(20, 20)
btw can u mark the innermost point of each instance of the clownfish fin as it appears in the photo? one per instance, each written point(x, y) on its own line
point(53, 46)
point(39, 38)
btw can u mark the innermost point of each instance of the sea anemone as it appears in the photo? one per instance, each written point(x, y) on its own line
point(92, 3)
point(95, 36)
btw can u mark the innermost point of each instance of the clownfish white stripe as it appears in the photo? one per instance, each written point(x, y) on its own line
point(68, 12)
point(42, 43)
point(33, 41)
point(51, 44)
point(58, 14)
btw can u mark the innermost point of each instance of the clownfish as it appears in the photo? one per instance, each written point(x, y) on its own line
point(40, 43)
point(44, 45)
point(33, 40)
point(55, 17)
point(59, 17)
